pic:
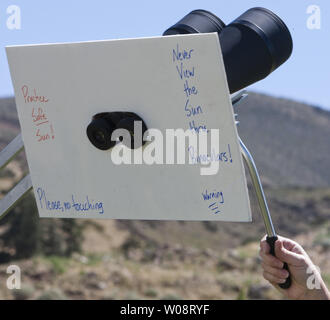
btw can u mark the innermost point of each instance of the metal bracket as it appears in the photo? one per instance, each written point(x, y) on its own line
point(253, 171)
point(25, 185)
point(258, 189)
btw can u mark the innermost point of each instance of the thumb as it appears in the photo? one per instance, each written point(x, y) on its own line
point(287, 256)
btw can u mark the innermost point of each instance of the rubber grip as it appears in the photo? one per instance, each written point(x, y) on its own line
point(271, 241)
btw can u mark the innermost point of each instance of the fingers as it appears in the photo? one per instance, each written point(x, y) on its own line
point(264, 246)
point(273, 279)
point(271, 260)
point(286, 250)
point(290, 257)
point(267, 258)
point(291, 245)
point(276, 272)
point(272, 266)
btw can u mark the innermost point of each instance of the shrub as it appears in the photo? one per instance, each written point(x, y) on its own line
point(26, 234)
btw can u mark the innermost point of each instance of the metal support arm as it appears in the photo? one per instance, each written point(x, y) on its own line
point(23, 187)
point(258, 189)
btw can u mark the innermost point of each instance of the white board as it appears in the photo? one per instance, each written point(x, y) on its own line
point(59, 87)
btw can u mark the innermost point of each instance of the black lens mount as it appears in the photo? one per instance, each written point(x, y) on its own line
point(102, 126)
point(197, 21)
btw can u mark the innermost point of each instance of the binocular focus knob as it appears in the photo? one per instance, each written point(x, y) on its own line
point(102, 126)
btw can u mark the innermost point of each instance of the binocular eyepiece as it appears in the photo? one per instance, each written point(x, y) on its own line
point(253, 45)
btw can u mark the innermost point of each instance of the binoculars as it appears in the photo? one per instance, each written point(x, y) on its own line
point(100, 130)
point(253, 45)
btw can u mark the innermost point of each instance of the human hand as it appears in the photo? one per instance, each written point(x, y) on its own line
point(301, 268)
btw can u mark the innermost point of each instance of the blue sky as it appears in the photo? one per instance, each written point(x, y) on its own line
point(304, 77)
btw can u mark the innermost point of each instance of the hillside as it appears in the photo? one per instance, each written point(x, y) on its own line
point(289, 140)
point(9, 125)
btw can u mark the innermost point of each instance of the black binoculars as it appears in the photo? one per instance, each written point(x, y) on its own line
point(99, 131)
point(253, 45)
